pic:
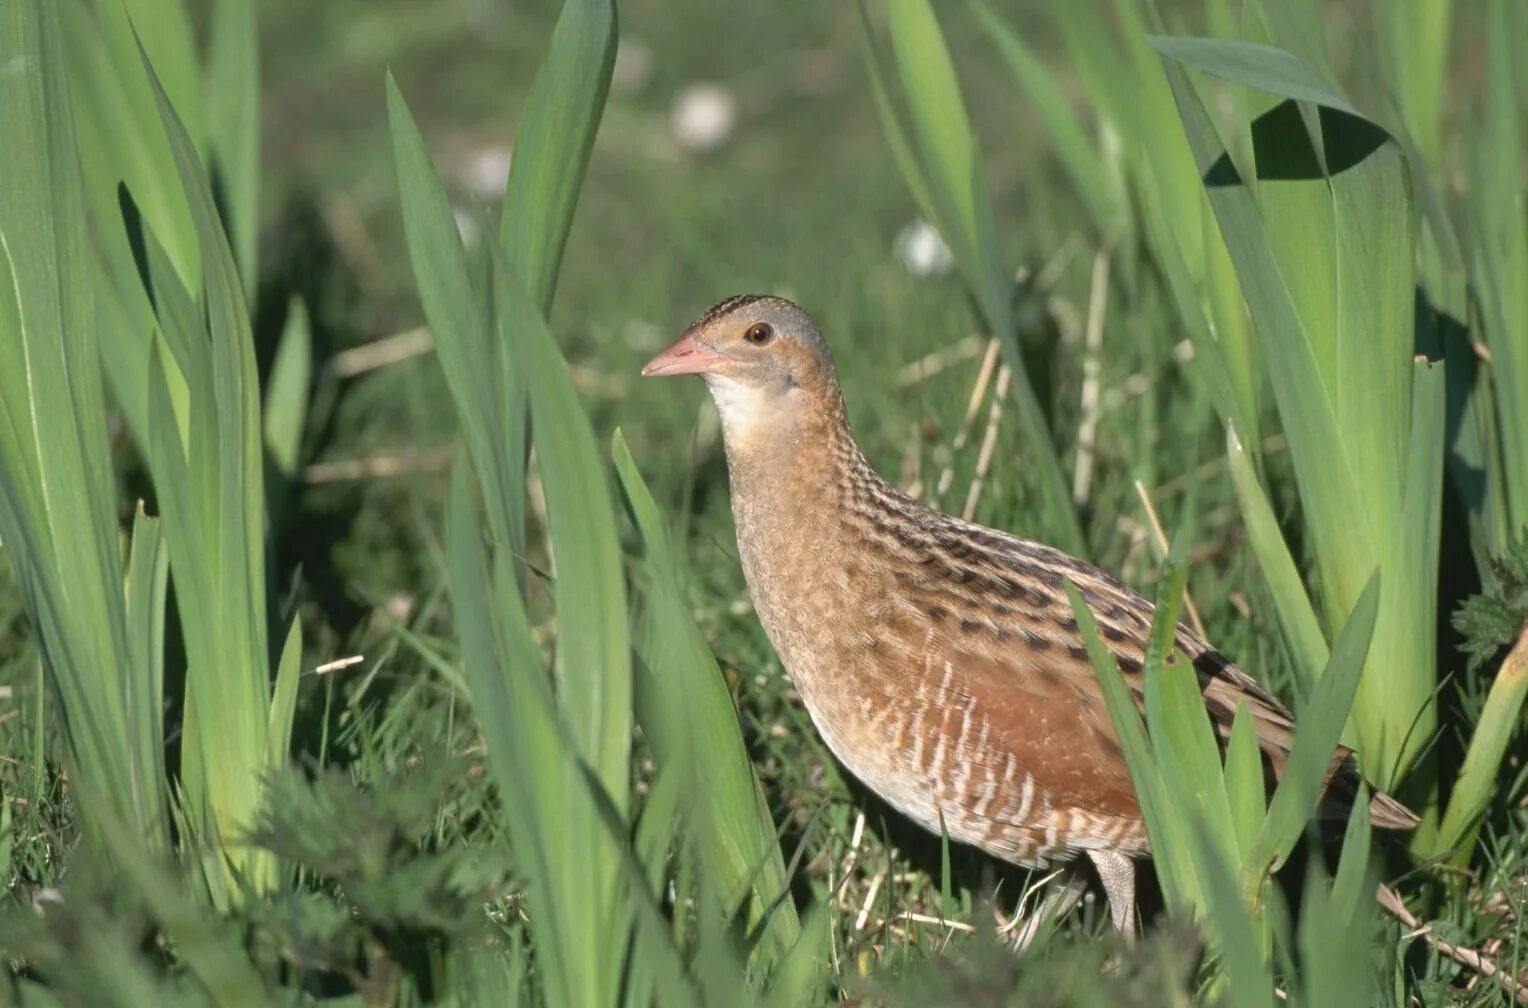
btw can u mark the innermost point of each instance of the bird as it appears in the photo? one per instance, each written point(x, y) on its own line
point(941, 661)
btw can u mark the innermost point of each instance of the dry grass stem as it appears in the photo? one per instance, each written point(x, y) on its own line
point(1270, 445)
point(1093, 337)
point(379, 466)
point(989, 442)
point(1160, 538)
point(383, 352)
point(345, 222)
point(974, 403)
point(1059, 261)
point(851, 858)
point(936, 362)
point(1032, 892)
point(1139, 383)
point(1467, 957)
point(870, 894)
point(339, 664)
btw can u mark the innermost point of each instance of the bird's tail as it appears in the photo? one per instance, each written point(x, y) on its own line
point(1342, 781)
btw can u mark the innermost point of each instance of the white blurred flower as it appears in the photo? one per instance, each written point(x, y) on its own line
point(633, 65)
point(922, 251)
point(703, 117)
point(486, 172)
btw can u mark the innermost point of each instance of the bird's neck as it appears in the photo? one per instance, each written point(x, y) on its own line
point(799, 485)
point(789, 452)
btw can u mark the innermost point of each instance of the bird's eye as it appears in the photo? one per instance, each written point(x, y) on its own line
point(759, 333)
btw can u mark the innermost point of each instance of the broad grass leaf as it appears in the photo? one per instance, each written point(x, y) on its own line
point(122, 140)
point(163, 28)
point(1477, 780)
point(514, 705)
point(233, 127)
point(1187, 751)
point(1244, 782)
point(1265, 67)
point(464, 344)
point(1297, 617)
point(1498, 252)
point(56, 483)
point(1165, 823)
point(1320, 721)
point(1331, 912)
point(222, 546)
point(552, 145)
point(1232, 927)
point(145, 594)
point(593, 660)
point(1415, 39)
point(1323, 253)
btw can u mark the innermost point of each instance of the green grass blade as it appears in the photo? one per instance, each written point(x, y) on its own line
point(548, 814)
point(1297, 617)
point(1477, 779)
point(1077, 153)
point(1265, 67)
point(553, 142)
point(938, 136)
point(1320, 719)
point(1233, 930)
point(1164, 823)
point(1498, 247)
point(121, 138)
point(593, 662)
point(687, 716)
point(56, 484)
point(233, 125)
point(456, 314)
point(287, 390)
point(284, 695)
point(1334, 967)
point(1223, 357)
point(1325, 262)
point(146, 592)
point(1415, 37)
point(892, 122)
point(1353, 886)
point(566, 836)
point(222, 546)
point(1244, 783)
point(163, 28)
point(1187, 752)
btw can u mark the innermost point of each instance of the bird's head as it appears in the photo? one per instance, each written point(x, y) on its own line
point(763, 359)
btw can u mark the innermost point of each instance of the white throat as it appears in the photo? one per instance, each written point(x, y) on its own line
point(740, 404)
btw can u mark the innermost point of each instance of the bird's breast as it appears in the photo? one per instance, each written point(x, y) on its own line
point(880, 674)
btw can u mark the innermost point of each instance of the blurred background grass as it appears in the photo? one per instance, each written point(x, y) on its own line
point(799, 197)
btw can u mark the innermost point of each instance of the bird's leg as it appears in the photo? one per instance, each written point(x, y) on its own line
point(1117, 873)
point(1058, 902)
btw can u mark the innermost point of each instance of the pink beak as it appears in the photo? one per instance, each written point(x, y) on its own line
point(686, 355)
